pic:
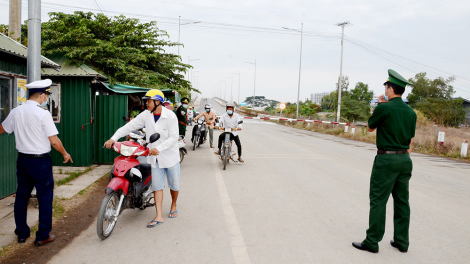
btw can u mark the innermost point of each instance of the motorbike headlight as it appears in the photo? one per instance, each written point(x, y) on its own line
point(139, 153)
point(127, 151)
point(116, 149)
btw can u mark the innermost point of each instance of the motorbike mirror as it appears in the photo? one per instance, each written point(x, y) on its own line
point(240, 122)
point(124, 118)
point(154, 137)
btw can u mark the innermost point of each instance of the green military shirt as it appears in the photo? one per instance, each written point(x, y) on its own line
point(181, 115)
point(396, 124)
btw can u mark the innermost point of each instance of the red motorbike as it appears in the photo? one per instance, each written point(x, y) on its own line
point(130, 182)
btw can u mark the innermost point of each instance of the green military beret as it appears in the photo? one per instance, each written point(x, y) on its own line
point(185, 100)
point(396, 78)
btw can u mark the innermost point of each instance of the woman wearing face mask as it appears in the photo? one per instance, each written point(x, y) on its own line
point(181, 112)
point(209, 117)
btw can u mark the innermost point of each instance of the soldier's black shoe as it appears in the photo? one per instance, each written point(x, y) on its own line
point(22, 240)
point(361, 246)
point(395, 245)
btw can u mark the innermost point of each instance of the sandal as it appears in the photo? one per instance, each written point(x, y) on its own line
point(171, 214)
point(240, 160)
point(153, 221)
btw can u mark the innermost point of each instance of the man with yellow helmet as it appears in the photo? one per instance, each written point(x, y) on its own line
point(158, 119)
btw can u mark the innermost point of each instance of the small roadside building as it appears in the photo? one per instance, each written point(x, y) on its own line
point(13, 71)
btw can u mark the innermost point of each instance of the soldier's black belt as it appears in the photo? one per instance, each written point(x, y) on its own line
point(34, 155)
point(392, 151)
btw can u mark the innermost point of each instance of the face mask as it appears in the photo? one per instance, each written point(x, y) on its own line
point(230, 112)
point(44, 104)
point(208, 110)
point(185, 105)
point(385, 95)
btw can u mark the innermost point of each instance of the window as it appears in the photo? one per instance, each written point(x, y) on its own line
point(54, 105)
point(5, 97)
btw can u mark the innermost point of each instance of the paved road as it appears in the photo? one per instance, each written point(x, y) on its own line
point(300, 197)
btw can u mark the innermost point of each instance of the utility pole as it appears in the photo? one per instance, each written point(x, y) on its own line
point(34, 41)
point(14, 25)
point(179, 30)
point(338, 115)
point(300, 62)
point(254, 86)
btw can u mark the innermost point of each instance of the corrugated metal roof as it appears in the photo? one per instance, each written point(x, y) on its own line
point(128, 89)
point(8, 45)
point(70, 69)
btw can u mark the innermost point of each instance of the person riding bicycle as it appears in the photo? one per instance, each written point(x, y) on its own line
point(230, 120)
point(209, 117)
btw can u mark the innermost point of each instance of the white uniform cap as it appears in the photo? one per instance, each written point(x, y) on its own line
point(39, 86)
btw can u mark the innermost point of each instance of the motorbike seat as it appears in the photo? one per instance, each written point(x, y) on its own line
point(145, 168)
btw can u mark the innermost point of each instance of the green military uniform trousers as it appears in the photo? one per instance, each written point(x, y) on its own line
point(391, 173)
point(182, 129)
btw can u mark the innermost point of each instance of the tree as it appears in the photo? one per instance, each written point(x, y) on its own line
point(362, 93)
point(354, 110)
point(447, 112)
point(344, 83)
point(424, 87)
point(123, 49)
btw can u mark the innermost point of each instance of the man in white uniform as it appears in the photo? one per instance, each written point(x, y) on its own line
point(35, 132)
point(158, 119)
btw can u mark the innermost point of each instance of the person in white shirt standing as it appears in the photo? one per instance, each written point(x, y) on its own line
point(190, 116)
point(230, 120)
point(158, 119)
point(35, 132)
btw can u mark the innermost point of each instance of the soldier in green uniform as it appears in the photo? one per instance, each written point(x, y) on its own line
point(395, 122)
point(181, 113)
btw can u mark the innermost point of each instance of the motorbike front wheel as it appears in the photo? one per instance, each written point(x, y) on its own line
point(226, 154)
point(106, 220)
point(181, 155)
point(196, 140)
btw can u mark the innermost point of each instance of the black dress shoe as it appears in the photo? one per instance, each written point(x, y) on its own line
point(395, 245)
point(22, 240)
point(361, 246)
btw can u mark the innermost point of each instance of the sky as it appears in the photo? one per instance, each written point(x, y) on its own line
point(407, 36)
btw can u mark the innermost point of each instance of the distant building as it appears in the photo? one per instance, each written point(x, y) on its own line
point(316, 97)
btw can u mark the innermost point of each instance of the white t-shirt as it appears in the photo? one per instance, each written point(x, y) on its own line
point(32, 126)
point(230, 122)
point(190, 113)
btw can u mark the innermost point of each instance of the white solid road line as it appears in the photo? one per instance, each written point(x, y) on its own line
point(240, 253)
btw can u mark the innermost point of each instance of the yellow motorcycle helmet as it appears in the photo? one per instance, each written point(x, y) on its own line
point(154, 94)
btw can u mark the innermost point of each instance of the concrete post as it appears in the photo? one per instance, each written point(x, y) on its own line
point(34, 40)
point(463, 151)
point(14, 25)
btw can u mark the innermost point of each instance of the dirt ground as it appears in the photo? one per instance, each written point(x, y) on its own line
point(80, 213)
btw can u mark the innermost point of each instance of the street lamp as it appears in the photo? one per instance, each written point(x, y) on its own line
point(189, 60)
point(254, 86)
point(179, 30)
point(300, 63)
point(238, 86)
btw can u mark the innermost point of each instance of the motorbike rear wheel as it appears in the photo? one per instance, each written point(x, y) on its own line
point(181, 155)
point(106, 221)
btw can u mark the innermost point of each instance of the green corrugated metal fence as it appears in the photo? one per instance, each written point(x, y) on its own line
point(8, 155)
point(109, 110)
point(75, 127)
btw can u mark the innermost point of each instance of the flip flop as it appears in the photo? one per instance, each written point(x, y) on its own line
point(157, 223)
point(171, 213)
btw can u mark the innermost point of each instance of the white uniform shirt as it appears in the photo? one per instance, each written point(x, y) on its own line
point(166, 126)
point(230, 122)
point(32, 126)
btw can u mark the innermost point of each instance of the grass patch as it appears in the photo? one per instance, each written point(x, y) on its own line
point(58, 208)
point(72, 176)
point(84, 191)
